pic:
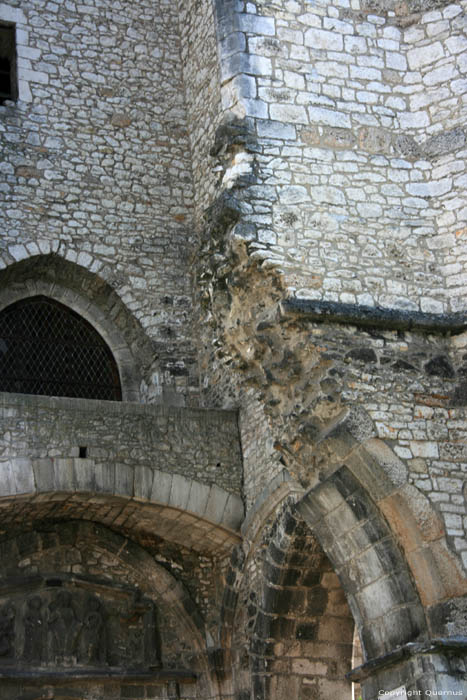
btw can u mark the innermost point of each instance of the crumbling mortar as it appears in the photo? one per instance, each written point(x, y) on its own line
point(278, 354)
point(275, 355)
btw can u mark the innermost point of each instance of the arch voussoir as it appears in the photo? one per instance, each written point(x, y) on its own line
point(363, 550)
point(181, 509)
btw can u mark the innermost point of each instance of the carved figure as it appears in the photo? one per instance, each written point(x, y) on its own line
point(33, 631)
point(92, 641)
point(146, 610)
point(135, 647)
point(63, 626)
point(7, 631)
point(67, 627)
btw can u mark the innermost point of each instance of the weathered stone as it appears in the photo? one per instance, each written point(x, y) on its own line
point(440, 366)
point(120, 120)
point(259, 207)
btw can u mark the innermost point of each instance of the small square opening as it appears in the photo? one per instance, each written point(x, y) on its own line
point(83, 452)
point(8, 82)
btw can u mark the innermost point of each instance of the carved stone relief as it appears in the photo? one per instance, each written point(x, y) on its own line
point(34, 627)
point(7, 631)
point(71, 625)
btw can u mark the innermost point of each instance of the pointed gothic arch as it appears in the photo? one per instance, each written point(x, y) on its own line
point(89, 295)
point(47, 348)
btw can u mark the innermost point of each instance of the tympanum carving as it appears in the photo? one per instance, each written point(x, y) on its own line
point(72, 625)
point(63, 627)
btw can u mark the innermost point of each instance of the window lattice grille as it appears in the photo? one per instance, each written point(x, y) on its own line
point(45, 348)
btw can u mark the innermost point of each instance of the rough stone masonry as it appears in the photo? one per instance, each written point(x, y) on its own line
point(261, 209)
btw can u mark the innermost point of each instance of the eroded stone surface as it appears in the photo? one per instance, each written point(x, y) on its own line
point(176, 173)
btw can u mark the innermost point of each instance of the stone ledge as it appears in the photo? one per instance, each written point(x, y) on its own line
point(30, 477)
point(443, 645)
point(375, 317)
point(111, 674)
point(124, 408)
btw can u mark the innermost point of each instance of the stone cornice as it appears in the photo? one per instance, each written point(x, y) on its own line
point(376, 317)
point(444, 645)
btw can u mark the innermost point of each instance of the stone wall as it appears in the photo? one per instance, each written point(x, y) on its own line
point(196, 444)
point(357, 118)
point(285, 153)
point(96, 159)
point(200, 62)
point(262, 463)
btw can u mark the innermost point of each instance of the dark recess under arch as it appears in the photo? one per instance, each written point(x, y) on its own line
point(46, 348)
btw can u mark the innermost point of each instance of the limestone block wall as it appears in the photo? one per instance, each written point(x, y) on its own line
point(96, 157)
point(262, 463)
point(195, 444)
point(200, 61)
point(341, 188)
point(358, 112)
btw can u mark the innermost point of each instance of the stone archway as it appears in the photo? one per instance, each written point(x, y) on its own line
point(379, 481)
point(91, 297)
point(404, 640)
point(379, 588)
point(288, 626)
point(85, 608)
point(400, 628)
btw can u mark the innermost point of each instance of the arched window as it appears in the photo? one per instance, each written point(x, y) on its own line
point(46, 348)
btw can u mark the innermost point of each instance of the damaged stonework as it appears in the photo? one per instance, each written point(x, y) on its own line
point(321, 301)
point(319, 381)
point(401, 14)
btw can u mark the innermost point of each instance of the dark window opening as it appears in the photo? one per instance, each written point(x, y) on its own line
point(46, 348)
point(8, 87)
point(83, 452)
point(54, 582)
